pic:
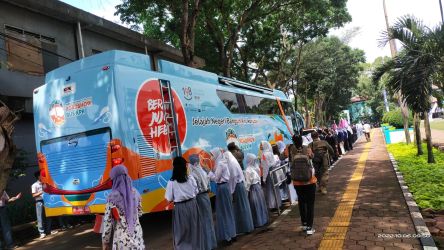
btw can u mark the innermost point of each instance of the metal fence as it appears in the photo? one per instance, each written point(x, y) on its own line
point(279, 176)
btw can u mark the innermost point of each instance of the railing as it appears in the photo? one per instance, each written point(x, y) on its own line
point(278, 176)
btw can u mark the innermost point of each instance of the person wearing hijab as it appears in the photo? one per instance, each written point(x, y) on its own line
point(182, 190)
point(225, 223)
point(122, 212)
point(256, 196)
point(241, 206)
point(203, 202)
point(268, 162)
point(289, 189)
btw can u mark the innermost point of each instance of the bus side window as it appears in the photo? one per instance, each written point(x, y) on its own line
point(229, 99)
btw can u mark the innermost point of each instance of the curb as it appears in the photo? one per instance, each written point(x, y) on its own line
point(426, 239)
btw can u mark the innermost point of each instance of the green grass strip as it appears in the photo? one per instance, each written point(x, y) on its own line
point(425, 181)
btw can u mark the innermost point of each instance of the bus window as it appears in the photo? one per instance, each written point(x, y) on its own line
point(260, 105)
point(229, 99)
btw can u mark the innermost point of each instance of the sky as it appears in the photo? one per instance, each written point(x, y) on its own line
point(367, 15)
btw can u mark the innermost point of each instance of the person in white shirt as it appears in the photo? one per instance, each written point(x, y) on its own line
point(203, 202)
point(182, 190)
point(268, 162)
point(4, 220)
point(256, 196)
point(241, 206)
point(367, 129)
point(43, 223)
point(225, 223)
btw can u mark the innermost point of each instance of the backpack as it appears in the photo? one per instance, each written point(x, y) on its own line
point(318, 155)
point(301, 168)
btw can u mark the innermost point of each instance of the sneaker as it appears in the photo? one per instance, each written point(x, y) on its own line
point(324, 191)
point(42, 236)
point(54, 232)
point(310, 231)
point(304, 228)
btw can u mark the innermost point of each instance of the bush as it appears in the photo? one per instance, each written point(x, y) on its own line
point(425, 181)
point(394, 118)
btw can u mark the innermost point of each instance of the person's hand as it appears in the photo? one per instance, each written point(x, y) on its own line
point(18, 196)
point(105, 246)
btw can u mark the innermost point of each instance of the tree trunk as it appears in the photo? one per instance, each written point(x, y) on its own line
point(7, 148)
point(430, 157)
point(405, 118)
point(417, 123)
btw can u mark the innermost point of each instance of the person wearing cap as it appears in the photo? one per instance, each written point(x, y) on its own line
point(203, 202)
point(225, 225)
point(256, 196)
point(182, 190)
point(241, 206)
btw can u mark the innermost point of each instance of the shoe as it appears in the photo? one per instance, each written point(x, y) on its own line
point(42, 236)
point(310, 231)
point(54, 232)
point(324, 191)
point(304, 228)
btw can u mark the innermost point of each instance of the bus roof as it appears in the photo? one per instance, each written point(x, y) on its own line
point(137, 60)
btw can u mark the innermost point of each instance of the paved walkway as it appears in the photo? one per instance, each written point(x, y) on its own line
point(364, 209)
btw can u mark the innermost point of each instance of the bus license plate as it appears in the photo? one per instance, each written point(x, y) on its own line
point(80, 210)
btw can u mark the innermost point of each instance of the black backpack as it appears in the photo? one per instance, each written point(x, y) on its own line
point(301, 168)
point(318, 155)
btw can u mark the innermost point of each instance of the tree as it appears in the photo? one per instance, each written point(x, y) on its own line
point(166, 20)
point(371, 92)
point(8, 150)
point(414, 70)
point(329, 72)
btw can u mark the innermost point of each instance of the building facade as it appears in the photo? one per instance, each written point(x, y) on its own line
point(39, 36)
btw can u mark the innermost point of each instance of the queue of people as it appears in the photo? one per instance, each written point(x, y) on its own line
point(244, 197)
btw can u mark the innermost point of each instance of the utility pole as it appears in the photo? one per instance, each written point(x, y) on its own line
point(401, 103)
point(440, 7)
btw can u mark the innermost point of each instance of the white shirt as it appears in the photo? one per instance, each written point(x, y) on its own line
point(178, 192)
point(367, 128)
point(221, 173)
point(35, 188)
point(251, 177)
point(202, 180)
point(4, 199)
point(267, 161)
point(236, 174)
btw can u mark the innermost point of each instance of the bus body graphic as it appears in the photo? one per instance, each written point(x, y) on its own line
point(114, 109)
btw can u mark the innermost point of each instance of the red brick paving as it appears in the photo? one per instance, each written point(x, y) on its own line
point(379, 209)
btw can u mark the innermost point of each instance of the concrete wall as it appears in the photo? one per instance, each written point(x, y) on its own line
point(18, 84)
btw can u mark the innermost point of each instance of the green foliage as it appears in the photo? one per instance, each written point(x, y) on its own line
point(232, 35)
point(419, 64)
point(373, 92)
point(394, 118)
point(425, 180)
point(329, 71)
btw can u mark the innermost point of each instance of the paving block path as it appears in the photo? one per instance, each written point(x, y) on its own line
point(379, 215)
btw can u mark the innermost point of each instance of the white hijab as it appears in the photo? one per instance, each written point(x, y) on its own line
point(281, 146)
point(268, 159)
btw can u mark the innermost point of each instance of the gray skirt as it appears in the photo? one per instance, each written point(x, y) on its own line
point(225, 227)
point(187, 228)
point(206, 219)
point(258, 206)
point(270, 194)
point(242, 210)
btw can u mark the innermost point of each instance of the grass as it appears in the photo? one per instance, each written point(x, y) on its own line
point(425, 181)
point(437, 124)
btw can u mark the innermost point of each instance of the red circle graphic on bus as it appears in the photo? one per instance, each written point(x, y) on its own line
point(151, 116)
